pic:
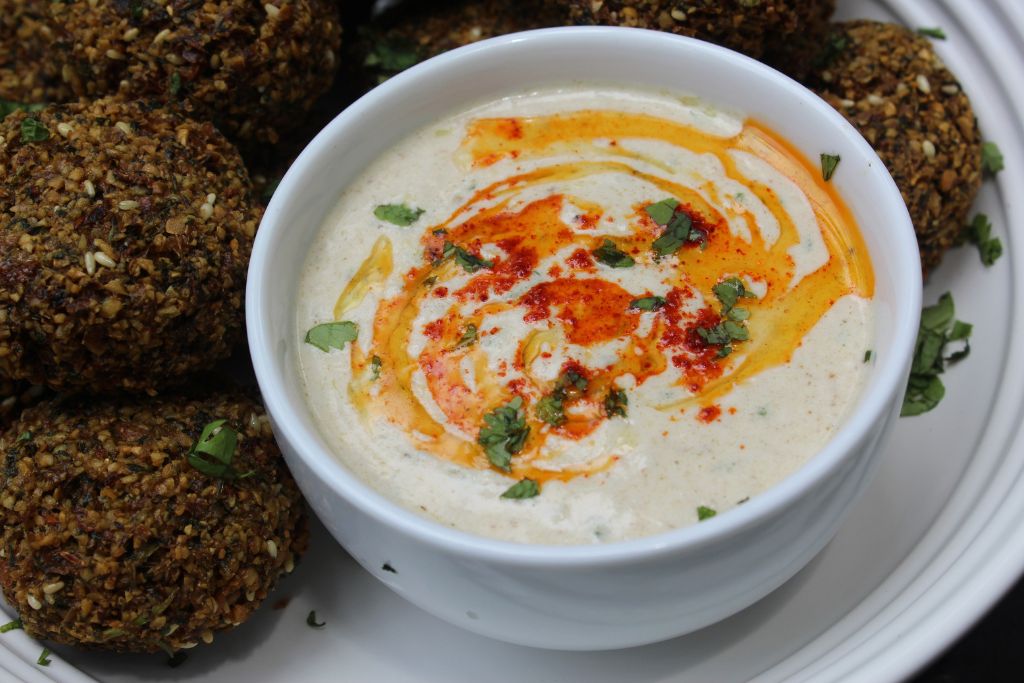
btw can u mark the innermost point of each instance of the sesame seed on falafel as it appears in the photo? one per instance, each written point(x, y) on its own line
point(112, 539)
point(889, 83)
point(125, 232)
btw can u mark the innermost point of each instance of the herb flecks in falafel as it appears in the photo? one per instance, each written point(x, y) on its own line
point(113, 541)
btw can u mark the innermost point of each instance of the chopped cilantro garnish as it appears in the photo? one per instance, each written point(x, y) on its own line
point(44, 657)
point(391, 57)
point(469, 262)
point(705, 513)
point(732, 329)
point(615, 403)
point(938, 328)
point(571, 380)
point(834, 46)
point(399, 214)
point(729, 291)
point(678, 227)
point(375, 365)
point(662, 212)
point(522, 489)
point(504, 433)
point(611, 255)
point(32, 130)
point(327, 336)
point(11, 626)
point(991, 158)
point(935, 32)
point(6, 107)
point(648, 303)
point(551, 410)
point(868, 355)
point(828, 165)
point(979, 233)
point(24, 436)
point(212, 453)
point(312, 622)
point(468, 337)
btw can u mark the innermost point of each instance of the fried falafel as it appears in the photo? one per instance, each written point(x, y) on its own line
point(28, 72)
point(112, 539)
point(785, 34)
point(125, 232)
point(253, 68)
point(889, 83)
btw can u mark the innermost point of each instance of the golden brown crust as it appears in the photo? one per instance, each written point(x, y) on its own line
point(112, 540)
point(785, 34)
point(124, 241)
point(252, 67)
point(29, 73)
point(889, 83)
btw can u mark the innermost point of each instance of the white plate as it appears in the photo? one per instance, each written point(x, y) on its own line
point(937, 539)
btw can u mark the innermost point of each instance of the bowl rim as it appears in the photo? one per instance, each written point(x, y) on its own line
point(875, 404)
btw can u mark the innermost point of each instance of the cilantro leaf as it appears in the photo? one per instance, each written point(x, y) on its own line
point(704, 512)
point(213, 451)
point(571, 381)
point(391, 56)
point(662, 212)
point(979, 233)
point(729, 291)
point(504, 433)
point(11, 626)
point(938, 328)
point(611, 255)
point(398, 214)
point(991, 158)
point(312, 622)
point(334, 335)
point(469, 262)
point(44, 657)
point(550, 409)
point(677, 233)
point(522, 489)
point(615, 403)
point(828, 165)
point(32, 130)
point(648, 303)
point(935, 32)
point(7, 107)
point(468, 337)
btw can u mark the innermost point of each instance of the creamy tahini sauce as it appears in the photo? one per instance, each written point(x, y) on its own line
point(534, 184)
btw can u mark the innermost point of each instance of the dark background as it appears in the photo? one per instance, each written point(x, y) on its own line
point(992, 652)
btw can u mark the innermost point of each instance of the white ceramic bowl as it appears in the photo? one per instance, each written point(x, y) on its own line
point(619, 594)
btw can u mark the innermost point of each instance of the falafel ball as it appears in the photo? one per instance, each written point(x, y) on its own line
point(28, 72)
point(112, 539)
point(889, 83)
point(785, 34)
point(125, 233)
point(412, 32)
point(253, 68)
